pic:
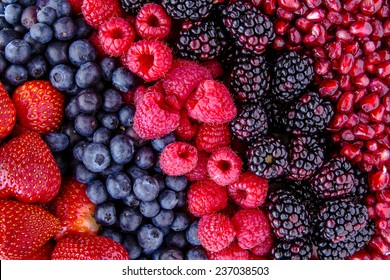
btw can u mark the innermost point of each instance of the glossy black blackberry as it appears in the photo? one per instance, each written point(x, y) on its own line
point(250, 123)
point(309, 115)
point(360, 189)
point(251, 30)
point(250, 78)
point(188, 9)
point(200, 41)
point(292, 73)
point(275, 111)
point(132, 7)
point(267, 157)
point(298, 249)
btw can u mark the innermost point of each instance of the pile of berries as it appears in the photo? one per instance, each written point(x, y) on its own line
point(177, 129)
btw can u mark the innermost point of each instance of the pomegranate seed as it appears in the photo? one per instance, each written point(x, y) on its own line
point(372, 146)
point(347, 19)
point(353, 120)
point(334, 17)
point(370, 7)
point(369, 47)
point(352, 48)
point(303, 24)
point(345, 82)
point(335, 137)
point(343, 35)
point(378, 128)
point(293, 47)
point(361, 81)
point(328, 87)
point(386, 28)
point(334, 50)
point(319, 32)
point(283, 14)
point(384, 141)
point(347, 135)
point(379, 87)
point(371, 212)
point(358, 68)
point(345, 104)
point(334, 5)
point(385, 232)
point(383, 210)
point(269, 6)
point(384, 155)
point(381, 224)
point(281, 27)
point(327, 24)
point(363, 131)
point(278, 43)
point(351, 152)
point(379, 180)
point(376, 115)
point(319, 52)
point(370, 102)
point(362, 17)
point(383, 196)
point(294, 37)
point(346, 62)
point(380, 245)
point(316, 15)
point(384, 55)
point(312, 3)
point(338, 121)
point(359, 94)
point(302, 11)
point(361, 29)
point(383, 69)
point(363, 117)
point(309, 40)
point(384, 12)
point(322, 67)
point(378, 31)
point(351, 5)
point(289, 5)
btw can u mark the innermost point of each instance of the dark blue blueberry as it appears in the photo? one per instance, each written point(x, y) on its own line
point(164, 218)
point(47, 15)
point(145, 157)
point(62, 7)
point(126, 115)
point(83, 28)
point(56, 141)
point(16, 74)
point(161, 181)
point(181, 222)
point(3, 63)
point(192, 234)
point(149, 237)
point(62, 77)
point(171, 254)
point(135, 172)
point(167, 199)
point(112, 234)
point(181, 199)
point(71, 109)
point(85, 124)
point(9, 1)
point(88, 101)
point(6, 36)
point(78, 150)
point(176, 183)
point(82, 174)
point(57, 53)
point(108, 65)
point(146, 188)
point(20, 29)
point(114, 168)
point(69, 130)
point(41, 3)
point(73, 91)
point(157, 167)
point(29, 17)
point(36, 47)
point(112, 100)
point(131, 200)
point(17, 51)
point(4, 24)
point(64, 28)
point(37, 67)
point(110, 121)
point(41, 32)
point(81, 51)
point(196, 254)
point(88, 75)
point(102, 136)
point(96, 157)
point(149, 208)
point(132, 247)
point(96, 191)
point(12, 13)
point(26, 3)
point(123, 80)
point(159, 144)
point(122, 149)
point(63, 162)
point(138, 141)
point(176, 239)
point(130, 219)
point(105, 214)
point(118, 185)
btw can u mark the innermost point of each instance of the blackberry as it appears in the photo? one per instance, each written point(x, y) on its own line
point(303, 191)
point(298, 249)
point(360, 189)
point(132, 7)
point(306, 155)
point(267, 157)
point(250, 78)
point(292, 74)
point(251, 30)
point(188, 9)
point(275, 113)
point(309, 115)
point(250, 123)
point(200, 41)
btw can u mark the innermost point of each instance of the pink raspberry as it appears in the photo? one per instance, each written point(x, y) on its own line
point(249, 190)
point(251, 226)
point(206, 197)
point(200, 170)
point(152, 22)
point(149, 59)
point(211, 102)
point(139, 94)
point(215, 232)
point(211, 137)
point(264, 248)
point(188, 128)
point(178, 158)
point(233, 252)
point(224, 166)
point(214, 67)
point(96, 12)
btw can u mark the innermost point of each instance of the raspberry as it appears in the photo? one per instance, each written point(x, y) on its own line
point(152, 22)
point(149, 59)
point(233, 252)
point(187, 128)
point(206, 197)
point(249, 190)
point(211, 103)
point(139, 94)
point(251, 226)
point(151, 109)
point(94, 39)
point(76, 6)
point(211, 137)
point(178, 158)
point(200, 170)
point(264, 247)
point(224, 166)
point(215, 232)
point(214, 67)
point(96, 12)
point(115, 36)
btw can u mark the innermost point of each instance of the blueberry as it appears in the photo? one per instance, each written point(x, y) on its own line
point(41, 3)
point(102, 136)
point(41, 32)
point(83, 28)
point(105, 214)
point(146, 188)
point(130, 219)
point(126, 115)
point(88, 101)
point(9, 1)
point(29, 17)
point(149, 237)
point(181, 199)
point(4, 24)
point(145, 157)
point(69, 130)
point(135, 172)
point(122, 149)
point(16, 74)
point(112, 169)
point(132, 247)
point(118, 185)
point(176, 183)
point(110, 121)
point(81, 51)
point(96, 192)
point(164, 218)
point(62, 7)
point(176, 239)
point(131, 200)
point(108, 65)
point(138, 141)
point(149, 208)
point(74, 90)
point(196, 254)
point(61, 77)
point(56, 141)
point(171, 254)
point(157, 167)
point(62, 161)
point(82, 174)
point(85, 124)
point(3, 63)
point(78, 150)
point(17, 51)
point(57, 53)
point(37, 67)
point(112, 234)
point(167, 199)
point(13, 13)
point(26, 3)
point(47, 15)
point(192, 234)
point(88, 75)
point(112, 100)
point(6, 36)
point(96, 157)
point(71, 109)
point(181, 222)
point(20, 29)
point(161, 181)
point(123, 80)
point(64, 28)
point(159, 144)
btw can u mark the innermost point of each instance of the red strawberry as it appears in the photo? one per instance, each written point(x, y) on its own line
point(39, 106)
point(7, 113)
point(74, 209)
point(43, 253)
point(28, 170)
point(24, 228)
point(88, 247)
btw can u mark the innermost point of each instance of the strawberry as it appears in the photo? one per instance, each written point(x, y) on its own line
point(74, 209)
point(28, 170)
point(24, 228)
point(39, 106)
point(43, 253)
point(7, 113)
point(88, 247)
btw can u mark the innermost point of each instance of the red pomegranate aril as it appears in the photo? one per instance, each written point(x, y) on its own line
point(357, 68)
point(283, 14)
point(379, 180)
point(312, 3)
point(353, 120)
point(385, 232)
point(335, 137)
point(383, 210)
point(292, 47)
point(383, 70)
point(372, 146)
point(361, 81)
point(348, 18)
point(361, 29)
point(386, 102)
point(302, 11)
point(303, 24)
point(370, 7)
point(363, 117)
point(319, 52)
point(352, 48)
point(347, 135)
point(344, 35)
point(369, 47)
point(269, 6)
point(362, 17)
point(376, 115)
point(378, 128)
point(319, 32)
point(334, 17)
point(345, 82)
point(281, 27)
point(294, 37)
point(384, 12)
point(345, 104)
point(278, 43)
point(351, 152)
point(334, 50)
point(363, 131)
point(334, 5)
point(380, 245)
point(383, 196)
point(289, 5)
point(384, 155)
point(310, 40)
point(322, 67)
point(346, 63)
point(338, 121)
point(384, 54)
point(379, 87)
point(351, 5)
point(328, 88)
point(386, 28)
point(316, 15)
point(359, 94)
point(371, 212)
point(381, 224)
point(378, 31)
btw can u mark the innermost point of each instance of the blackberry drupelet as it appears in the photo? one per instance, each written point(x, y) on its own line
point(250, 78)
point(361, 187)
point(275, 111)
point(132, 7)
point(292, 74)
point(188, 9)
point(298, 249)
point(302, 190)
point(250, 123)
point(251, 30)
point(267, 157)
